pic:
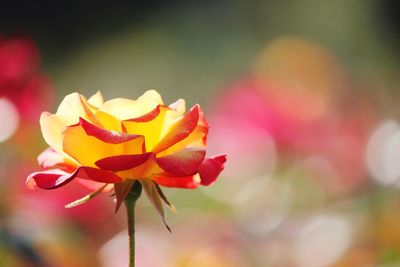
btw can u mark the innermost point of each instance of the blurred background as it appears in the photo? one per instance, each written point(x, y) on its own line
point(302, 96)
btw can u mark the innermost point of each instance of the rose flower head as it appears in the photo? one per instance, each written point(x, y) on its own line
point(109, 145)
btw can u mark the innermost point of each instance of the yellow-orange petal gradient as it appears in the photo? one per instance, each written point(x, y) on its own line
point(181, 129)
point(109, 144)
point(87, 143)
point(153, 125)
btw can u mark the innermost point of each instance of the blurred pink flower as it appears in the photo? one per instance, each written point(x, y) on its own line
point(331, 143)
point(21, 80)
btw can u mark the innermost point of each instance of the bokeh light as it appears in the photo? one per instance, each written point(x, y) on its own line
point(9, 119)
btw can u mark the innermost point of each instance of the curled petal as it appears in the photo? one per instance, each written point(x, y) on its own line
point(104, 135)
point(179, 130)
point(122, 162)
point(208, 172)
point(51, 179)
point(152, 125)
point(188, 182)
point(211, 168)
point(182, 163)
point(197, 139)
point(202, 120)
point(148, 116)
point(88, 143)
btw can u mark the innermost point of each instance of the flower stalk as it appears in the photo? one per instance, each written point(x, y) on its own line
point(130, 202)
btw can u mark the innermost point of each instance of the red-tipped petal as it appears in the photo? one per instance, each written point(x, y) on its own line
point(151, 125)
point(180, 130)
point(221, 158)
point(97, 175)
point(104, 135)
point(122, 162)
point(183, 163)
point(149, 116)
point(51, 179)
point(189, 182)
point(86, 143)
point(211, 168)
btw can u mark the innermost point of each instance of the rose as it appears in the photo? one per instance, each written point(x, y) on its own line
point(110, 145)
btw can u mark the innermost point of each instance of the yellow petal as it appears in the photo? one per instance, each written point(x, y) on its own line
point(153, 130)
point(179, 106)
point(74, 106)
point(125, 109)
point(197, 139)
point(52, 127)
point(96, 100)
point(88, 149)
point(108, 121)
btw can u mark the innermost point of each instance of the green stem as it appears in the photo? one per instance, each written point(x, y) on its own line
point(130, 202)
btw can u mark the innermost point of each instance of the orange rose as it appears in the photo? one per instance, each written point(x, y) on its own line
point(110, 145)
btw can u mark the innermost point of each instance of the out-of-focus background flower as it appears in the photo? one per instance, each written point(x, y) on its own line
point(302, 96)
